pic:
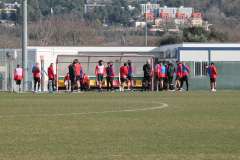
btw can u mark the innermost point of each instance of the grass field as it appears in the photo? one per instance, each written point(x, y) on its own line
point(193, 126)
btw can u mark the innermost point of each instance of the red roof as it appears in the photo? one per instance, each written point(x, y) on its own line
point(149, 16)
point(164, 15)
point(197, 15)
point(180, 15)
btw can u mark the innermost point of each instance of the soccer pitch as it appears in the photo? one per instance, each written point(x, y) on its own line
point(120, 126)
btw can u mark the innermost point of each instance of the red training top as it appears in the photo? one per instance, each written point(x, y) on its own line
point(157, 67)
point(100, 70)
point(50, 72)
point(36, 72)
point(67, 78)
point(85, 79)
point(18, 74)
point(77, 69)
point(179, 70)
point(186, 70)
point(213, 72)
point(123, 72)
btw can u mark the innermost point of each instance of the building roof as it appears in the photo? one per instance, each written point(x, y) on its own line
point(220, 45)
point(96, 49)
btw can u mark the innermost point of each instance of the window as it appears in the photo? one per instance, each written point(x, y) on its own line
point(200, 69)
point(175, 53)
point(204, 68)
point(197, 69)
point(168, 54)
point(161, 55)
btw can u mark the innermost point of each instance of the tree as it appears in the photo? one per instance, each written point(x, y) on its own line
point(34, 11)
point(195, 34)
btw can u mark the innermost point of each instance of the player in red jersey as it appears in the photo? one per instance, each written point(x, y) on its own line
point(36, 77)
point(51, 78)
point(67, 82)
point(78, 73)
point(212, 71)
point(185, 74)
point(18, 76)
point(179, 74)
point(123, 76)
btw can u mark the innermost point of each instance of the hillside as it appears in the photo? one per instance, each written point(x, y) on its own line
point(61, 22)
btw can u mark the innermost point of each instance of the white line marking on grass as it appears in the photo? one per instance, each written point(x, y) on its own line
point(162, 106)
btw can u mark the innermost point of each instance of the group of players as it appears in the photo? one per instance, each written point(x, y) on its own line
point(162, 75)
point(77, 79)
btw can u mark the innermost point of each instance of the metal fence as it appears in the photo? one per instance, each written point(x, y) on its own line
point(9, 58)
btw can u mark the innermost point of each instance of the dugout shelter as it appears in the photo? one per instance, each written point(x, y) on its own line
point(89, 63)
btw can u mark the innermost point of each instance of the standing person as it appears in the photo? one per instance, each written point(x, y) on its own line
point(212, 71)
point(162, 75)
point(110, 76)
point(51, 78)
point(78, 74)
point(170, 74)
point(165, 82)
point(123, 76)
point(100, 72)
point(157, 70)
point(178, 75)
point(130, 75)
point(146, 76)
point(36, 77)
point(71, 71)
point(18, 76)
point(185, 73)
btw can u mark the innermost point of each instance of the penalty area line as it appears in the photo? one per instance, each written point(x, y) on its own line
point(162, 106)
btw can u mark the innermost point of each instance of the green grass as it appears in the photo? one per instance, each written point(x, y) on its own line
point(195, 126)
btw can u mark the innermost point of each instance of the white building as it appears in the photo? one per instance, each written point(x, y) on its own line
point(148, 7)
point(226, 57)
point(172, 11)
point(186, 10)
point(197, 55)
point(140, 24)
point(47, 55)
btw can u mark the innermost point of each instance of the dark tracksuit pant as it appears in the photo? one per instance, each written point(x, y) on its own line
point(185, 79)
point(109, 83)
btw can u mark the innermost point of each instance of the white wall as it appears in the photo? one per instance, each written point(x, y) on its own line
point(193, 55)
point(228, 55)
point(50, 53)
